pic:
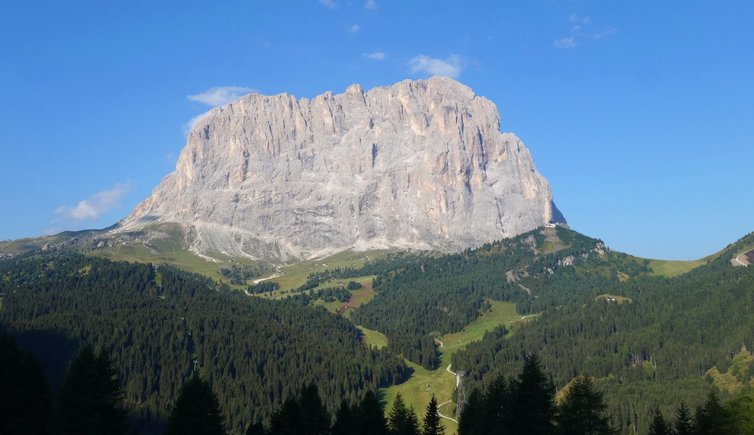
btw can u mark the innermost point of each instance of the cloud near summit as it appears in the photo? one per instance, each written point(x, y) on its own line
point(96, 205)
point(221, 95)
point(448, 67)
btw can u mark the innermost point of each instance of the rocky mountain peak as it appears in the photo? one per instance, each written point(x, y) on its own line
point(421, 164)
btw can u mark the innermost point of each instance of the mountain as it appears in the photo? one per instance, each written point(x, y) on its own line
point(419, 164)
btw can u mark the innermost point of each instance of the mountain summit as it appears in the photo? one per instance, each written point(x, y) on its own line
point(419, 164)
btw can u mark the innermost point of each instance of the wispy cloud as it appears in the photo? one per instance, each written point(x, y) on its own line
point(370, 5)
point(581, 28)
point(567, 43)
point(189, 125)
point(354, 28)
point(449, 67)
point(604, 33)
point(329, 4)
point(220, 95)
point(375, 55)
point(96, 205)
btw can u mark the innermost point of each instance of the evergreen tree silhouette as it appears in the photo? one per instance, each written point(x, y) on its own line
point(24, 394)
point(531, 406)
point(90, 397)
point(659, 426)
point(315, 419)
point(583, 410)
point(196, 411)
point(473, 417)
point(344, 420)
point(370, 419)
point(431, 425)
point(402, 420)
point(684, 425)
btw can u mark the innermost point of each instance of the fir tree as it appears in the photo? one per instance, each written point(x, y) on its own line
point(197, 410)
point(473, 416)
point(315, 418)
point(659, 425)
point(90, 397)
point(344, 420)
point(712, 418)
point(256, 429)
point(531, 406)
point(369, 418)
point(402, 420)
point(583, 410)
point(684, 425)
point(288, 420)
point(431, 425)
point(24, 395)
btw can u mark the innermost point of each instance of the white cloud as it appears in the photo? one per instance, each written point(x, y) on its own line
point(220, 95)
point(375, 55)
point(330, 4)
point(188, 126)
point(566, 43)
point(354, 28)
point(97, 204)
point(450, 67)
point(604, 33)
point(371, 5)
point(580, 20)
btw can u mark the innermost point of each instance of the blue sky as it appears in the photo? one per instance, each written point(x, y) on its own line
point(640, 114)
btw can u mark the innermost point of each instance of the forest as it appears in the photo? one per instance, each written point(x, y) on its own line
point(159, 324)
point(650, 345)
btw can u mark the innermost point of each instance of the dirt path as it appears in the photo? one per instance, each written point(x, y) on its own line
point(443, 415)
point(738, 260)
point(267, 278)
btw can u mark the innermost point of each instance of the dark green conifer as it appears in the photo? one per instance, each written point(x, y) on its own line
point(473, 417)
point(315, 418)
point(370, 419)
point(684, 424)
point(90, 397)
point(24, 395)
point(659, 426)
point(402, 420)
point(531, 405)
point(583, 410)
point(197, 410)
point(431, 425)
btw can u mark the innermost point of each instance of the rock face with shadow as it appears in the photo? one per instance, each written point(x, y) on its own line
point(419, 164)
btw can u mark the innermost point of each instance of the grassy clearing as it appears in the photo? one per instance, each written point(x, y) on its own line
point(371, 337)
point(418, 390)
point(296, 274)
point(671, 268)
point(613, 298)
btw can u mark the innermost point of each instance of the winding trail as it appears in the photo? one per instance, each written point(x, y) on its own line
point(443, 415)
point(737, 259)
point(266, 278)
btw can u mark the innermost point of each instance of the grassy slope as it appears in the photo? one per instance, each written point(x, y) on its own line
point(418, 390)
point(296, 274)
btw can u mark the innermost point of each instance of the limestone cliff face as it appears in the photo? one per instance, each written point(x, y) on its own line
point(420, 164)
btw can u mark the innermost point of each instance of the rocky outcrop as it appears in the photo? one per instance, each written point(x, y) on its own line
point(420, 165)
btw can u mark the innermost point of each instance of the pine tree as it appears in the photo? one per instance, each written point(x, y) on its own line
point(256, 429)
point(402, 420)
point(473, 416)
point(583, 410)
point(432, 424)
point(495, 407)
point(369, 418)
point(683, 422)
point(659, 425)
point(314, 416)
point(90, 397)
point(196, 411)
point(531, 405)
point(288, 420)
point(24, 394)
point(712, 418)
point(344, 420)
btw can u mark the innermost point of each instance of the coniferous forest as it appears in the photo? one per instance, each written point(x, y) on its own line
point(615, 345)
